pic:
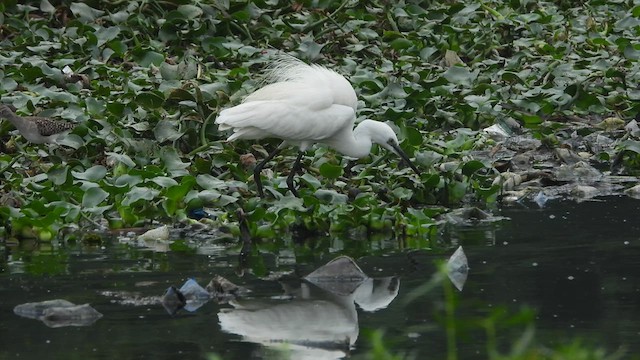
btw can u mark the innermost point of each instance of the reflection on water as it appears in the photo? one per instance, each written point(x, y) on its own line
point(58, 313)
point(576, 265)
point(458, 268)
point(316, 318)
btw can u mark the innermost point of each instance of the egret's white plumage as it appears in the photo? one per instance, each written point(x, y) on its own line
point(303, 105)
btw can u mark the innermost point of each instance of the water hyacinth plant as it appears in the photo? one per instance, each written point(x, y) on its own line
point(144, 81)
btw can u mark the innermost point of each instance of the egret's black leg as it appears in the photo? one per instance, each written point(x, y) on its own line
point(247, 244)
point(245, 235)
point(258, 169)
point(294, 171)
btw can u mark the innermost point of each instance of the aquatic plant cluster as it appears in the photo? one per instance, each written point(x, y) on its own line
point(144, 81)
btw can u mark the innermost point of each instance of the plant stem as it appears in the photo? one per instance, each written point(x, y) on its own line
point(492, 11)
point(10, 164)
point(322, 21)
point(450, 320)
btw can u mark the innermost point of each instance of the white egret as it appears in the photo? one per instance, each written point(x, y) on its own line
point(303, 105)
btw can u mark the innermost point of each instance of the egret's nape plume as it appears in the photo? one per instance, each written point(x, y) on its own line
point(304, 105)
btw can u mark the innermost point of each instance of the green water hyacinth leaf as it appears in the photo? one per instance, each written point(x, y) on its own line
point(431, 181)
point(55, 94)
point(287, 203)
point(85, 12)
point(173, 162)
point(93, 197)
point(107, 34)
point(71, 140)
point(179, 191)
point(181, 95)
point(209, 195)
point(118, 47)
point(59, 175)
point(225, 200)
point(331, 196)
point(460, 75)
point(95, 106)
point(44, 47)
point(414, 136)
point(190, 11)
point(94, 173)
point(46, 7)
point(164, 181)
point(311, 180)
point(139, 193)
point(166, 131)
point(147, 58)
point(121, 158)
point(331, 171)
point(403, 193)
point(401, 44)
point(8, 84)
point(209, 182)
point(470, 167)
point(632, 52)
point(631, 145)
point(150, 100)
point(169, 71)
point(531, 120)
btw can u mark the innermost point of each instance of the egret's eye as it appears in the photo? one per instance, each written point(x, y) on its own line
point(391, 141)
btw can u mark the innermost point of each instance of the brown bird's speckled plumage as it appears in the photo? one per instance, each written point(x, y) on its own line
point(36, 129)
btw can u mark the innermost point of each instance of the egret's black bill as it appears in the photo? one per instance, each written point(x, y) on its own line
point(404, 156)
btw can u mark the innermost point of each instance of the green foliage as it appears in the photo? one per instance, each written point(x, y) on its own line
point(503, 329)
point(146, 79)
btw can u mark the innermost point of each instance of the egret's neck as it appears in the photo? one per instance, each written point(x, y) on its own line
point(355, 144)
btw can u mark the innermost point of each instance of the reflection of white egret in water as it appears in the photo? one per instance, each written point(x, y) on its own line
point(321, 320)
point(320, 326)
point(376, 294)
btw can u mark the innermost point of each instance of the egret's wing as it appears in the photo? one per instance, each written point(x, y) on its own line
point(310, 95)
point(282, 119)
point(291, 77)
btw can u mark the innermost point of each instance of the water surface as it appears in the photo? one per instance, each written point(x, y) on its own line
point(576, 265)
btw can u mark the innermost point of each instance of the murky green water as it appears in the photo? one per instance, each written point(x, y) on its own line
point(576, 265)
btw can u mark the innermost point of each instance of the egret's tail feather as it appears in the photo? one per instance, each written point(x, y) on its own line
point(240, 116)
point(248, 133)
point(242, 119)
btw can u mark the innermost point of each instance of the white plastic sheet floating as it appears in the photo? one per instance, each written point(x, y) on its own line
point(191, 296)
point(157, 234)
point(59, 313)
point(156, 239)
point(458, 268)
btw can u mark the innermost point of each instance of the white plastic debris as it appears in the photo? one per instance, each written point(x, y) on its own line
point(161, 233)
point(59, 313)
point(495, 132)
point(458, 268)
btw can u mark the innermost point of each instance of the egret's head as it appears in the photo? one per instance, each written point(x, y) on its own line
point(376, 294)
point(383, 135)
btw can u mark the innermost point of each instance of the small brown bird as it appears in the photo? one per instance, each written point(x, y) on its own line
point(36, 129)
